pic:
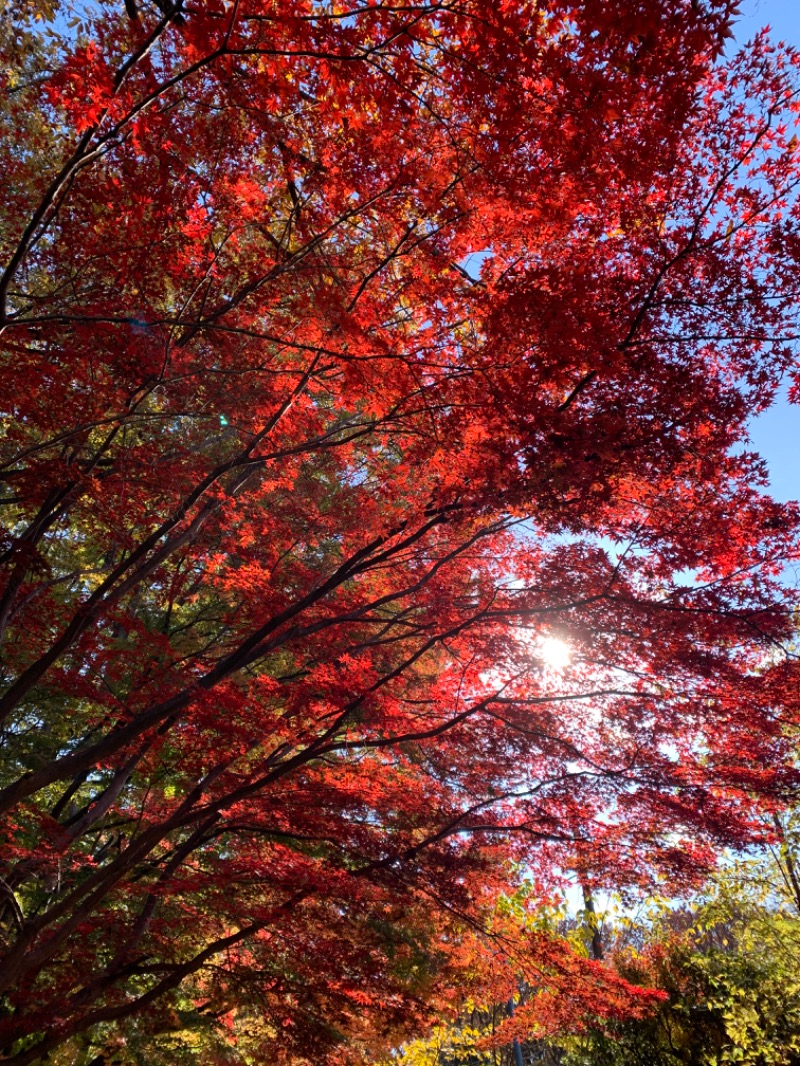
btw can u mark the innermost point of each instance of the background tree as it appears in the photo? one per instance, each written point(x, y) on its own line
point(725, 961)
point(728, 962)
point(295, 505)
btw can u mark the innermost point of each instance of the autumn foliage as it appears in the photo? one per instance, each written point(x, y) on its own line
point(351, 353)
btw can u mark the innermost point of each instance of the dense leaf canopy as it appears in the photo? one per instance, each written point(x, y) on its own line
point(353, 355)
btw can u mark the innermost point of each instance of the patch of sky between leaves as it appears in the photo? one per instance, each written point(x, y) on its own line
point(775, 434)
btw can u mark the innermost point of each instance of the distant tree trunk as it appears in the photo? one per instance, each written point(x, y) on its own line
point(596, 942)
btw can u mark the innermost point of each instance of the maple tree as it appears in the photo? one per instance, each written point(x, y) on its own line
point(295, 502)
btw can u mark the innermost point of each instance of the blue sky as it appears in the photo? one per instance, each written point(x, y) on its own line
point(776, 433)
point(782, 15)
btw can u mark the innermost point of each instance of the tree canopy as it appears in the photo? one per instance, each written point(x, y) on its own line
point(298, 501)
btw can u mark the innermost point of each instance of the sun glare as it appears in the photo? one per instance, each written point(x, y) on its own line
point(555, 653)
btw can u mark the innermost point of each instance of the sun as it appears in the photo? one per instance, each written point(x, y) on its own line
point(556, 654)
